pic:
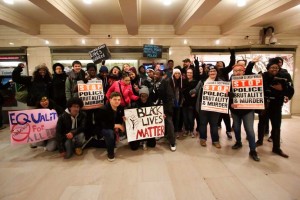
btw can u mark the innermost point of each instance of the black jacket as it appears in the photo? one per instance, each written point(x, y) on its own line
point(58, 89)
point(164, 95)
point(64, 126)
point(106, 117)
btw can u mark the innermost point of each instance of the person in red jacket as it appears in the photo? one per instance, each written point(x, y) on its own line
point(124, 87)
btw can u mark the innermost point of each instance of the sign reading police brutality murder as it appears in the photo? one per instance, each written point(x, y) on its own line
point(100, 53)
point(142, 123)
point(248, 91)
point(91, 94)
point(214, 97)
point(30, 126)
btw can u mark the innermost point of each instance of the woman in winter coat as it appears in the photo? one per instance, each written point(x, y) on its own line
point(38, 85)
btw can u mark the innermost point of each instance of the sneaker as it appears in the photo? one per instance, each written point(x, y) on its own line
point(229, 136)
point(217, 145)
point(78, 151)
point(111, 158)
point(173, 147)
point(203, 142)
point(259, 143)
point(270, 139)
point(280, 152)
point(254, 155)
point(237, 145)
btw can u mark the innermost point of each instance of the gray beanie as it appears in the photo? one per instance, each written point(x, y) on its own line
point(144, 90)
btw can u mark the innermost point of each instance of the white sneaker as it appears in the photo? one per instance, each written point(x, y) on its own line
point(173, 147)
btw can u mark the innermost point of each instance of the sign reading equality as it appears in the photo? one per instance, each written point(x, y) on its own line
point(31, 126)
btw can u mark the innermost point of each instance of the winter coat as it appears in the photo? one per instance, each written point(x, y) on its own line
point(71, 87)
point(126, 92)
point(58, 89)
point(64, 126)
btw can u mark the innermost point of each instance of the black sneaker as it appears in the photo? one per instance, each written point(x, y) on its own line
point(254, 155)
point(237, 145)
point(229, 136)
point(259, 143)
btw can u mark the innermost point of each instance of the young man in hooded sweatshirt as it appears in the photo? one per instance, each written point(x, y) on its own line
point(70, 129)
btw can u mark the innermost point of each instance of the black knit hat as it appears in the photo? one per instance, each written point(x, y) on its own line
point(272, 61)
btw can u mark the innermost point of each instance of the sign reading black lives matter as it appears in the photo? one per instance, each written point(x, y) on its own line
point(143, 123)
point(100, 53)
point(214, 96)
point(248, 92)
point(91, 94)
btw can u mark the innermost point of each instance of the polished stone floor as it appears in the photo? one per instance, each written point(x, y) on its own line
point(192, 172)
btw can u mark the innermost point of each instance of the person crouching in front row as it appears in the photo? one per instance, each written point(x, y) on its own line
point(70, 129)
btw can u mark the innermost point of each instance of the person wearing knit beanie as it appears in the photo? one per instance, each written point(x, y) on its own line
point(144, 90)
point(272, 61)
point(103, 69)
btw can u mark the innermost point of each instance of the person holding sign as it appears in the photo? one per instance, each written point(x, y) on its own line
point(109, 120)
point(144, 101)
point(243, 115)
point(206, 117)
point(70, 129)
point(50, 144)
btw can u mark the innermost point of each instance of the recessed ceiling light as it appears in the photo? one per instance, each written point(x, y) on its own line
point(11, 43)
point(83, 41)
point(151, 41)
point(87, 1)
point(184, 41)
point(11, 2)
point(241, 3)
point(46, 42)
point(167, 2)
point(117, 41)
point(217, 42)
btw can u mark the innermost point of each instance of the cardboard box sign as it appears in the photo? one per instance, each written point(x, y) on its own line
point(100, 53)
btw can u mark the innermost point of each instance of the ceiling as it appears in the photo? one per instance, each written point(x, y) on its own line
point(28, 16)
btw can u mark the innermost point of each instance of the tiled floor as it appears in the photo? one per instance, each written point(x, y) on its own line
point(192, 172)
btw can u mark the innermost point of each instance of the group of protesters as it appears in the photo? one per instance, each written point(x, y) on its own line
point(177, 89)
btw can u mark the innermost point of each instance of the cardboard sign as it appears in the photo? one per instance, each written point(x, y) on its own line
point(152, 51)
point(248, 91)
point(214, 96)
point(143, 123)
point(31, 126)
point(100, 53)
point(91, 94)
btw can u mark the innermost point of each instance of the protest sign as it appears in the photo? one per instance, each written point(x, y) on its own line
point(100, 53)
point(31, 126)
point(91, 94)
point(248, 92)
point(143, 123)
point(214, 96)
point(152, 51)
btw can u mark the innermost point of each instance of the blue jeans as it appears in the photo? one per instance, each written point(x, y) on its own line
point(211, 118)
point(109, 138)
point(188, 118)
point(248, 121)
